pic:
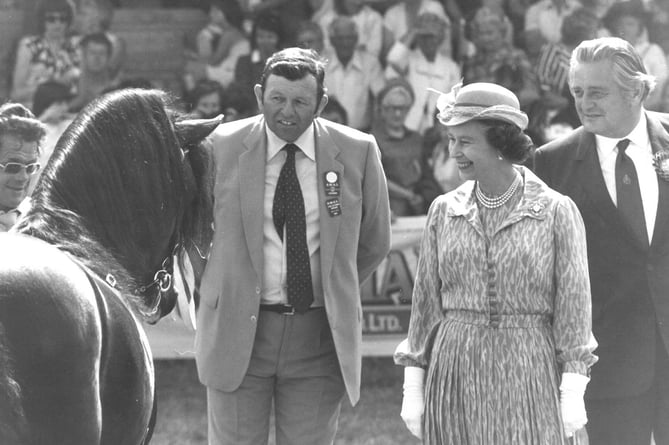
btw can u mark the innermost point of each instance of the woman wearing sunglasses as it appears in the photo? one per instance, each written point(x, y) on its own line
point(51, 55)
point(20, 137)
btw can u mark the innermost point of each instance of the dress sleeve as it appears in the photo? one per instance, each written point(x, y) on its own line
point(572, 323)
point(426, 299)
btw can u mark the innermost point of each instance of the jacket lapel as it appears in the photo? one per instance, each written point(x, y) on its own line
point(659, 140)
point(252, 189)
point(326, 161)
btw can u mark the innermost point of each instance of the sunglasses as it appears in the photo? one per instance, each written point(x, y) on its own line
point(12, 168)
point(52, 18)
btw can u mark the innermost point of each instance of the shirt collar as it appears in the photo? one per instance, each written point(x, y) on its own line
point(638, 136)
point(306, 143)
point(354, 63)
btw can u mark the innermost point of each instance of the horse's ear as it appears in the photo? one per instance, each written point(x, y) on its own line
point(191, 132)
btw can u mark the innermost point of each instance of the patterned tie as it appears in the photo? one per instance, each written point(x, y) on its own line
point(630, 205)
point(288, 210)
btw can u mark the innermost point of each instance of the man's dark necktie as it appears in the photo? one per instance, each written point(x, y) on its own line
point(288, 210)
point(630, 205)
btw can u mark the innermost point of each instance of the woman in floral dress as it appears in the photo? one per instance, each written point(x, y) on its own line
point(499, 344)
point(49, 56)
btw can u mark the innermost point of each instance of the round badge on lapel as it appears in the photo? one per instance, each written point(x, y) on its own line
point(331, 177)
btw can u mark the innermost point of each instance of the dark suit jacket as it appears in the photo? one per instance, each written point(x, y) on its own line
point(352, 244)
point(630, 283)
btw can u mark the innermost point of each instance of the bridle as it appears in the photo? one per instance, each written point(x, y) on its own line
point(161, 285)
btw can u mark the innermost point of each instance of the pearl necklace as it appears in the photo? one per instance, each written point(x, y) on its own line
point(493, 203)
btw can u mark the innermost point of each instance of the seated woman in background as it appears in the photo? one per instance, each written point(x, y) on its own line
point(411, 185)
point(20, 137)
point(266, 39)
point(219, 44)
point(51, 55)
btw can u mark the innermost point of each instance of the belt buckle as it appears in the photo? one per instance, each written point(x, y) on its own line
point(288, 310)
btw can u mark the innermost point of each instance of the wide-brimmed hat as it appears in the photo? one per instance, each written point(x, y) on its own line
point(477, 101)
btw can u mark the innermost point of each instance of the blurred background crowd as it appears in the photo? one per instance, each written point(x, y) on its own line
point(386, 59)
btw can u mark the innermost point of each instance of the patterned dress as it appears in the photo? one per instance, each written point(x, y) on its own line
point(501, 306)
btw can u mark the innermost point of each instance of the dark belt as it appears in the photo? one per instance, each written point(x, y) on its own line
point(283, 309)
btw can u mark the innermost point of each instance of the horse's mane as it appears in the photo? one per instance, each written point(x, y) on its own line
point(117, 181)
point(13, 423)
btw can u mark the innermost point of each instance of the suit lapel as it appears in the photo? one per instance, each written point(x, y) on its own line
point(252, 192)
point(326, 161)
point(659, 140)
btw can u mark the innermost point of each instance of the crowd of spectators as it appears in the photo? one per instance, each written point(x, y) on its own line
point(386, 62)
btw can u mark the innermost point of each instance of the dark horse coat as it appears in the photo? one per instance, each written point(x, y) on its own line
point(126, 189)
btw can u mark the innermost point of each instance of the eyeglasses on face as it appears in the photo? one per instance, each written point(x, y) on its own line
point(12, 168)
point(52, 18)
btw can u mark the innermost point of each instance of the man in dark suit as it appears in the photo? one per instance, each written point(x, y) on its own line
point(607, 167)
point(291, 188)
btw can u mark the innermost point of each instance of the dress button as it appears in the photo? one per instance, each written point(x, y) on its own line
point(257, 289)
point(254, 318)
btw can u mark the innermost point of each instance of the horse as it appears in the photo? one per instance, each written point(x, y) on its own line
point(127, 190)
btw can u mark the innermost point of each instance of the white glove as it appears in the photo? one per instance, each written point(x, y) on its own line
point(413, 402)
point(572, 389)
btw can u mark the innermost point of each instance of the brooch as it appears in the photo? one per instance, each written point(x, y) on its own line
point(537, 208)
point(661, 164)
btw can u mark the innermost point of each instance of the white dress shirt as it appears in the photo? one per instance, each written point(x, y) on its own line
point(275, 287)
point(354, 85)
point(641, 154)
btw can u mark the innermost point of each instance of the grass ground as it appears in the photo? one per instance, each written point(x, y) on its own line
point(374, 421)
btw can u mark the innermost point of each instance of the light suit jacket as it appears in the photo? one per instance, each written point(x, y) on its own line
point(352, 245)
point(629, 282)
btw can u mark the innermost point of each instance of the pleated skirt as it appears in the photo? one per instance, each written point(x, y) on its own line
point(492, 384)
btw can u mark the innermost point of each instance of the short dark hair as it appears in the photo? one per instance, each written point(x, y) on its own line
point(512, 143)
point(17, 120)
point(48, 93)
point(296, 64)
point(96, 37)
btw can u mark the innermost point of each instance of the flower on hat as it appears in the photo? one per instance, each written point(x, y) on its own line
point(479, 101)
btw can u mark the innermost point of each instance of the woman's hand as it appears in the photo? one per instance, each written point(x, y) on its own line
point(413, 402)
point(572, 406)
